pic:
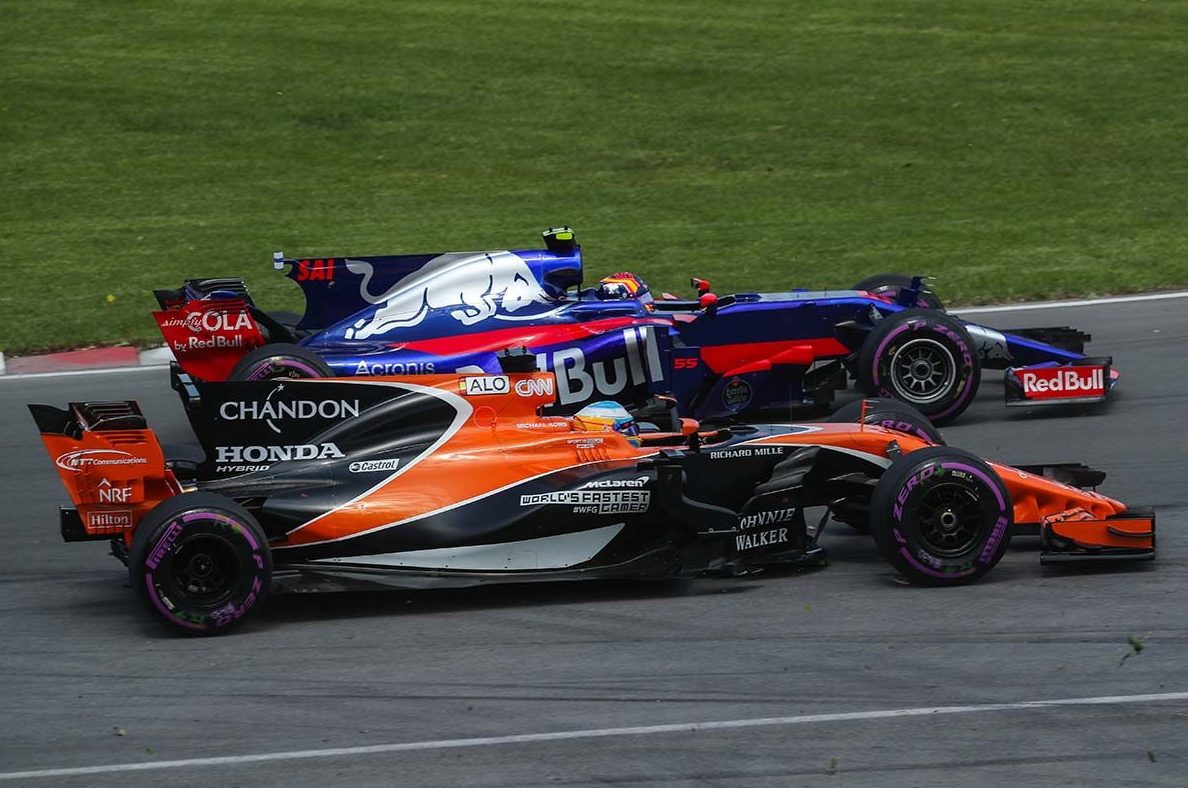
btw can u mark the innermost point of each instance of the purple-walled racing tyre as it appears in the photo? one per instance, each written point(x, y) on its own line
point(941, 516)
point(891, 284)
point(924, 358)
point(200, 563)
point(892, 414)
point(282, 360)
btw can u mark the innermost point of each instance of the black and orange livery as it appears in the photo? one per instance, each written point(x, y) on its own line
point(459, 479)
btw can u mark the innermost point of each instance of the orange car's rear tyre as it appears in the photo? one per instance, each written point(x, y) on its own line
point(200, 563)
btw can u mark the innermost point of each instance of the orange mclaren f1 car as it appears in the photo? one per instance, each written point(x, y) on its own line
point(459, 480)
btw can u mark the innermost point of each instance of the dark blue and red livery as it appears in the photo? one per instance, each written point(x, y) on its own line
point(719, 357)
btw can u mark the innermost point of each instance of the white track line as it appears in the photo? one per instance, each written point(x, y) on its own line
point(599, 733)
point(70, 373)
point(975, 310)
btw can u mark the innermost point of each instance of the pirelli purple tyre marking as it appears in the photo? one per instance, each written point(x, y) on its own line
point(1000, 524)
point(165, 611)
point(963, 347)
point(903, 426)
point(260, 372)
point(992, 543)
point(958, 466)
point(887, 339)
point(903, 551)
point(967, 387)
point(163, 544)
point(229, 612)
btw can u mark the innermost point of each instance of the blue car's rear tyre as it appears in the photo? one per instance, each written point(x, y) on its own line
point(891, 284)
point(281, 360)
point(200, 563)
point(924, 358)
point(941, 516)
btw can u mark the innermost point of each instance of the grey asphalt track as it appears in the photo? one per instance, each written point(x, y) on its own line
point(87, 680)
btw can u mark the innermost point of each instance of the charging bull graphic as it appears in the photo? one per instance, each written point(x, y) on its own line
point(482, 285)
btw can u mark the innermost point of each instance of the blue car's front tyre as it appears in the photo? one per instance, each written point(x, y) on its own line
point(281, 360)
point(924, 358)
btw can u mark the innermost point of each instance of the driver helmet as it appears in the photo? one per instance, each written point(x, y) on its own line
point(607, 416)
point(622, 287)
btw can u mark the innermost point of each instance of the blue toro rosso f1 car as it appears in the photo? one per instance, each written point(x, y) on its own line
point(719, 357)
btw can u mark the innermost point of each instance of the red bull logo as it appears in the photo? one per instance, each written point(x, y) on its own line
point(469, 287)
point(579, 380)
point(1063, 382)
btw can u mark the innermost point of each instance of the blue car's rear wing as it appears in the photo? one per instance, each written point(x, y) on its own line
point(336, 288)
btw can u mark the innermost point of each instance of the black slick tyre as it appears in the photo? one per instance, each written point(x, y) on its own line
point(924, 358)
point(891, 284)
point(893, 415)
point(282, 360)
point(941, 516)
point(200, 564)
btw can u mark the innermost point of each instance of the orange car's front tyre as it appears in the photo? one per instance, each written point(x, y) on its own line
point(200, 563)
point(941, 516)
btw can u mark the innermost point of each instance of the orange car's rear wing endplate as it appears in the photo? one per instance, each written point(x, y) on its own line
point(1075, 536)
point(110, 463)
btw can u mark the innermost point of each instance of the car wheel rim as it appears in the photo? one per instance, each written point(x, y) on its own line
point(950, 520)
point(202, 571)
point(923, 371)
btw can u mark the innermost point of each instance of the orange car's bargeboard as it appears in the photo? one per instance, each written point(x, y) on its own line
point(460, 479)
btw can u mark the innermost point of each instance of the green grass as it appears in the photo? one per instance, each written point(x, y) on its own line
point(1012, 148)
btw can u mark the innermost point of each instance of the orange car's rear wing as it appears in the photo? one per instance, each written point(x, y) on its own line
point(110, 463)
